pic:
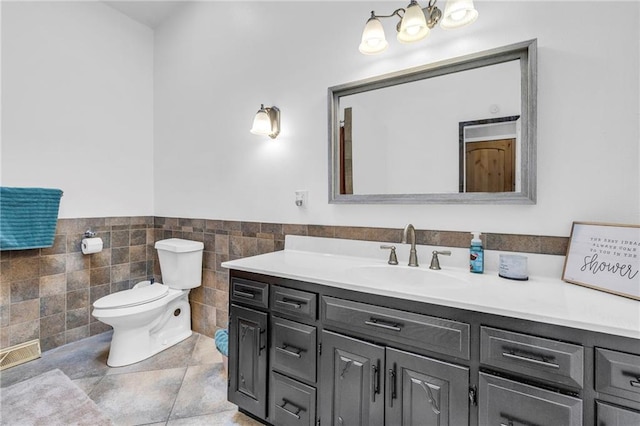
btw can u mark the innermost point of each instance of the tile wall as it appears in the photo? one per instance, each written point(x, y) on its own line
point(47, 293)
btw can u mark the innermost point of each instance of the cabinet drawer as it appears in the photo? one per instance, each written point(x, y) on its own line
point(294, 302)
point(294, 403)
point(610, 415)
point(505, 402)
point(392, 325)
point(536, 357)
point(618, 374)
point(294, 348)
point(250, 292)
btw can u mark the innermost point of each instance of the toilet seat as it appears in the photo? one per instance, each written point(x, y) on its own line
point(133, 297)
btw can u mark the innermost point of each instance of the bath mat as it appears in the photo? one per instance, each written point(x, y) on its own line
point(48, 399)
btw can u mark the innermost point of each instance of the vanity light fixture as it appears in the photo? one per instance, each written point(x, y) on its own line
point(416, 22)
point(267, 122)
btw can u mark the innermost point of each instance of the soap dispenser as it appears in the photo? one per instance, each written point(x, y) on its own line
point(476, 254)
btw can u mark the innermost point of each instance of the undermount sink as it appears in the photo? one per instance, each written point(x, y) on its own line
point(403, 275)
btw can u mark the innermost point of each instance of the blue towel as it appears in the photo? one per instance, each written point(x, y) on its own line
point(28, 217)
point(222, 341)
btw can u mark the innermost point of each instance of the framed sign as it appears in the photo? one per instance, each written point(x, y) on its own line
point(605, 257)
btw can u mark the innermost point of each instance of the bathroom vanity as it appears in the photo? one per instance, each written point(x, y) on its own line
point(320, 336)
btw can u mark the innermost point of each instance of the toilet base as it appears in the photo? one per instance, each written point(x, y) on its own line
point(131, 345)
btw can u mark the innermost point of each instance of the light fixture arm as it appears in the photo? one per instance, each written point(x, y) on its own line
point(431, 12)
point(395, 13)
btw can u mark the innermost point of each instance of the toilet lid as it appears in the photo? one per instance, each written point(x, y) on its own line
point(133, 297)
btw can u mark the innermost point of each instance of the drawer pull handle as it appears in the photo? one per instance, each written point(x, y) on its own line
point(244, 294)
point(531, 360)
point(297, 409)
point(635, 383)
point(290, 303)
point(383, 324)
point(285, 350)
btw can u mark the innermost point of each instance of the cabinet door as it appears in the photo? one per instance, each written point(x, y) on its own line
point(423, 391)
point(352, 389)
point(248, 360)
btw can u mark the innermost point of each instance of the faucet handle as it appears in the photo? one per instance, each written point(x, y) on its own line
point(393, 259)
point(435, 263)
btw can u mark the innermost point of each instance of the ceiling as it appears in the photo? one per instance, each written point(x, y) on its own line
point(148, 12)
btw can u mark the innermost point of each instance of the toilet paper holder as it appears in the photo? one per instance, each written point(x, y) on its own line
point(89, 233)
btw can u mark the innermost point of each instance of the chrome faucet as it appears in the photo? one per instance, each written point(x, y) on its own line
point(410, 231)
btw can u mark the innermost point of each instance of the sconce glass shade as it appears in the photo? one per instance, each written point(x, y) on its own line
point(373, 39)
point(266, 122)
point(458, 13)
point(414, 25)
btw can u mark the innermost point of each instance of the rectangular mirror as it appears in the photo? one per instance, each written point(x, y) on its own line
point(457, 131)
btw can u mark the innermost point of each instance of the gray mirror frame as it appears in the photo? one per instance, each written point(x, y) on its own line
point(525, 51)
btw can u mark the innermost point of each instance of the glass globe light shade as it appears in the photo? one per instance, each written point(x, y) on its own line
point(261, 123)
point(414, 25)
point(458, 13)
point(373, 39)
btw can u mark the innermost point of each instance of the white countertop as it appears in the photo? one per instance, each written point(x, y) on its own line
point(548, 299)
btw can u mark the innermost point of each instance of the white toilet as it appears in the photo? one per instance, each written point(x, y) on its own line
point(151, 316)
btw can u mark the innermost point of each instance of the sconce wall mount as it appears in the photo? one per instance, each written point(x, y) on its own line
point(267, 122)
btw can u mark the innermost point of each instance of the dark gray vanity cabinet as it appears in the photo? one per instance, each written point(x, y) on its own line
point(248, 345)
point(305, 354)
point(248, 359)
point(352, 381)
point(425, 391)
point(369, 384)
point(510, 403)
point(617, 379)
point(294, 357)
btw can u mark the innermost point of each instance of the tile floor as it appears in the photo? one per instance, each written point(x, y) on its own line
point(183, 385)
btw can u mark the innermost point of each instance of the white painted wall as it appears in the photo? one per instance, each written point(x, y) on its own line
point(216, 62)
point(77, 106)
point(77, 96)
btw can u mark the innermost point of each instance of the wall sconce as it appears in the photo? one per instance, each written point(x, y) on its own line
point(415, 23)
point(267, 122)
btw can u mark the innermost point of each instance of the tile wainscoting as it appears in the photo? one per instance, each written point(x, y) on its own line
point(47, 293)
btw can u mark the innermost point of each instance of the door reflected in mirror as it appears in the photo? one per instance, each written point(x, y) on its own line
point(488, 154)
point(460, 131)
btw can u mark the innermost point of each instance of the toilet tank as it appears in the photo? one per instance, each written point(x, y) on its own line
point(180, 262)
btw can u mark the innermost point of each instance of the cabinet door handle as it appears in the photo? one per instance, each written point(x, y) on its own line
point(392, 384)
point(635, 383)
point(290, 303)
point(531, 360)
point(261, 347)
point(285, 350)
point(297, 409)
point(375, 380)
point(244, 294)
point(375, 322)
